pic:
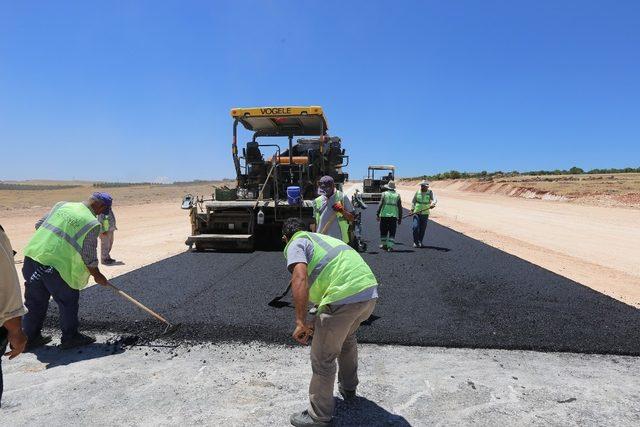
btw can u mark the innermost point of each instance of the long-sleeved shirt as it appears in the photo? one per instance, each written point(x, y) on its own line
point(431, 196)
point(382, 203)
point(89, 245)
point(10, 296)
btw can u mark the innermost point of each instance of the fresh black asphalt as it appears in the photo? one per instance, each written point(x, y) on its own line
point(456, 292)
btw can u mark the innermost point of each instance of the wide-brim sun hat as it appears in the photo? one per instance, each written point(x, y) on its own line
point(424, 184)
point(390, 185)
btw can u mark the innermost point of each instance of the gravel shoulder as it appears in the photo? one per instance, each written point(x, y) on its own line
point(259, 384)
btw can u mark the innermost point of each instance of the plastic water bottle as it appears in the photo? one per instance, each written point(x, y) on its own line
point(260, 217)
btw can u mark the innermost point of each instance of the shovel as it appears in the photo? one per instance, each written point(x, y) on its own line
point(276, 301)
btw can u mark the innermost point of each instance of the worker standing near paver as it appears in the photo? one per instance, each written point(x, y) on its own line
point(11, 307)
point(58, 261)
point(332, 275)
point(332, 210)
point(422, 202)
point(389, 216)
point(108, 223)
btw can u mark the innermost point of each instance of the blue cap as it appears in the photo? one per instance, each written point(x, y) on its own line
point(105, 198)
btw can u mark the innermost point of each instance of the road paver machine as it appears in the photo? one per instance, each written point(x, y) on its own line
point(275, 181)
point(372, 185)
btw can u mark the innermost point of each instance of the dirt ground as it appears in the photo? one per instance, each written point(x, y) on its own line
point(606, 190)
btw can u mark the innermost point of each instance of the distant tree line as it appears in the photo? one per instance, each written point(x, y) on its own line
point(32, 187)
point(141, 184)
point(454, 174)
point(123, 184)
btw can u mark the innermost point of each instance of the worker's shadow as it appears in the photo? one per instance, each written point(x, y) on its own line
point(54, 356)
point(435, 248)
point(363, 412)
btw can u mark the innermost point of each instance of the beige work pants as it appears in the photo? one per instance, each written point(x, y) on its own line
point(106, 242)
point(334, 337)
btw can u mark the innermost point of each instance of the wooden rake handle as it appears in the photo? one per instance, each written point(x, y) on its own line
point(138, 303)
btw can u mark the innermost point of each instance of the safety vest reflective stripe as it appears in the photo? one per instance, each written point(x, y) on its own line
point(332, 253)
point(84, 229)
point(423, 203)
point(336, 271)
point(72, 240)
point(68, 222)
point(55, 230)
point(390, 205)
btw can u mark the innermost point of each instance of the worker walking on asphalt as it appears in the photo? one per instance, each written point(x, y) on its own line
point(332, 210)
point(58, 261)
point(422, 202)
point(11, 307)
point(332, 275)
point(389, 216)
point(108, 223)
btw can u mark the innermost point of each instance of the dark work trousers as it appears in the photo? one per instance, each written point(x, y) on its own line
point(419, 225)
point(388, 228)
point(3, 346)
point(36, 299)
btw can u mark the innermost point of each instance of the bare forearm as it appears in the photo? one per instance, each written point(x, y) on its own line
point(13, 325)
point(97, 276)
point(300, 292)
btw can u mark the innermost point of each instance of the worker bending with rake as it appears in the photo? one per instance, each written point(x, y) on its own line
point(58, 261)
point(332, 275)
point(332, 210)
point(422, 202)
point(389, 216)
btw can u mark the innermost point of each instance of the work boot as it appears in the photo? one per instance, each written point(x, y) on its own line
point(303, 419)
point(78, 340)
point(109, 261)
point(37, 341)
point(383, 247)
point(389, 249)
point(347, 395)
point(416, 245)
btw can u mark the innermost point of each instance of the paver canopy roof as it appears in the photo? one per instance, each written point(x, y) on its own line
point(282, 121)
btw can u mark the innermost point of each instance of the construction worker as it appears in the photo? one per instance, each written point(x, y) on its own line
point(389, 216)
point(11, 307)
point(332, 275)
point(58, 261)
point(332, 210)
point(422, 202)
point(108, 223)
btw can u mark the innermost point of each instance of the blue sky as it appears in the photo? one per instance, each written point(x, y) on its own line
point(137, 90)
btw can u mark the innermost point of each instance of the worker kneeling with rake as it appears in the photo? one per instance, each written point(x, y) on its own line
point(332, 275)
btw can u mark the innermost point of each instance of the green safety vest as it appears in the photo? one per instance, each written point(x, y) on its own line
point(423, 203)
point(58, 242)
point(105, 224)
point(390, 205)
point(336, 270)
point(342, 222)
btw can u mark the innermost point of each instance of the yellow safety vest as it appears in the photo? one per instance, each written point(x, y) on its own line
point(336, 270)
point(58, 242)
